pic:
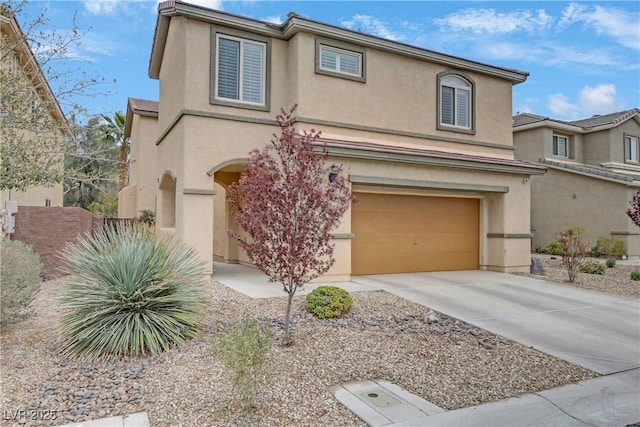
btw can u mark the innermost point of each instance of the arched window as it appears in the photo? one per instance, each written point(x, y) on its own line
point(455, 103)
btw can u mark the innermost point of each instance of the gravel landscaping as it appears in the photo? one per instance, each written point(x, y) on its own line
point(447, 362)
point(616, 280)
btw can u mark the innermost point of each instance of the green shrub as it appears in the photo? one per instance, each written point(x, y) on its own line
point(540, 250)
point(635, 275)
point(243, 348)
point(610, 246)
point(554, 248)
point(611, 262)
point(107, 204)
point(19, 278)
point(132, 293)
point(148, 217)
point(592, 268)
point(328, 301)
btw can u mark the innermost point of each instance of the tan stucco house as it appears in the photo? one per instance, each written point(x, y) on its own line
point(19, 65)
point(424, 137)
point(593, 172)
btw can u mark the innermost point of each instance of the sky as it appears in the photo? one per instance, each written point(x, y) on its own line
point(583, 57)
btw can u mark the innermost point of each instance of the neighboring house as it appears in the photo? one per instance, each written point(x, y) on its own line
point(21, 66)
point(425, 138)
point(141, 127)
point(593, 172)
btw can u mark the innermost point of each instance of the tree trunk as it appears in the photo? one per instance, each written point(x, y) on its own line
point(123, 167)
point(287, 320)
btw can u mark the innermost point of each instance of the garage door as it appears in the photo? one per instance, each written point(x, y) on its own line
point(403, 234)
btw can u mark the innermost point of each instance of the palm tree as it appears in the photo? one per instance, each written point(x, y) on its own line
point(114, 131)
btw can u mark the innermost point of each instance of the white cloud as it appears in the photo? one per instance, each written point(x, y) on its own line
point(599, 99)
point(489, 21)
point(371, 25)
point(616, 23)
point(560, 106)
point(273, 19)
point(548, 53)
point(211, 4)
point(101, 7)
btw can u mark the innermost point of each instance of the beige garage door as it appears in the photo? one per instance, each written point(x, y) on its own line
point(403, 234)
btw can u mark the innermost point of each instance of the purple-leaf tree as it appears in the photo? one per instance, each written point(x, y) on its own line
point(634, 211)
point(288, 206)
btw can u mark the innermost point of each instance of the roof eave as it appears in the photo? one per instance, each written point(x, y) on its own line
point(295, 24)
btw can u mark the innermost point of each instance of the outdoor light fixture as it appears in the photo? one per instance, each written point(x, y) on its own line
point(334, 172)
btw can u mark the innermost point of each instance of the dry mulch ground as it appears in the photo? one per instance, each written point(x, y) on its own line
point(616, 280)
point(447, 362)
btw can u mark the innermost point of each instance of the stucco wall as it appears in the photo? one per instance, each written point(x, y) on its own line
point(560, 199)
point(34, 196)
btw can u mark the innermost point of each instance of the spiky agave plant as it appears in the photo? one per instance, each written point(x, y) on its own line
point(131, 293)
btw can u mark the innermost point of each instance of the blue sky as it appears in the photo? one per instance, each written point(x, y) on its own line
point(583, 57)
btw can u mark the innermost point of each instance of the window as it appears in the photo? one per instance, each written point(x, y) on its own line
point(455, 101)
point(631, 149)
point(560, 146)
point(338, 59)
point(240, 70)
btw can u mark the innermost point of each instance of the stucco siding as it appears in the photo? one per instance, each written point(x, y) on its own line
point(560, 199)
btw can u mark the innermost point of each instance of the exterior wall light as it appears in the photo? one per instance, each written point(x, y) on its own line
point(334, 172)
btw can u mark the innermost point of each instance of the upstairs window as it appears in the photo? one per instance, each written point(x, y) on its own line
point(339, 59)
point(240, 70)
point(631, 149)
point(560, 146)
point(455, 103)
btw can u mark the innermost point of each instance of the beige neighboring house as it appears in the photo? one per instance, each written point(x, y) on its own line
point(424, 137)
point(141, 127)
point(23, 63)
point(593, 172)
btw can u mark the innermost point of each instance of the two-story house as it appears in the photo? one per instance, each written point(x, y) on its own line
point(31, 115)
point(424, 137)
point(593, 172)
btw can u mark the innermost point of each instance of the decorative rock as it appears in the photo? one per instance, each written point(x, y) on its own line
point(536, 266)
point(431, 318)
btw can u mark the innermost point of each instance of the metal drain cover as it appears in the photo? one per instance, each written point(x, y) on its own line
point(379, 398)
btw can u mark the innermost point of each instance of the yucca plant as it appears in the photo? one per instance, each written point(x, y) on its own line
point(131, 293)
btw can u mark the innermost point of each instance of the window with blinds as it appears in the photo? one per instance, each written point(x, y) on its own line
point(340, 61)
point(631, 149)
point(560, 146)
point(240, 70)
point(455, 102)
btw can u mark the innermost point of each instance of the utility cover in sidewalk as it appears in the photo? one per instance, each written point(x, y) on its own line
point(380, 403)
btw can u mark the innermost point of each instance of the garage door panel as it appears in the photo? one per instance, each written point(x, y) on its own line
point(398, 233)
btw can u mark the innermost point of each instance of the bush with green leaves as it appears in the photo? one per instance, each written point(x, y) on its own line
point(610, 246)
point(611, 262)
point(20, 279)
point(132, 292)
point(243, 348)
point(592, 267)
point(635, 275)
point(554, 248)
point(326, 302)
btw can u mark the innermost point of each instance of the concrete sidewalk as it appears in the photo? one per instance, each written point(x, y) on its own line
point(612, 400)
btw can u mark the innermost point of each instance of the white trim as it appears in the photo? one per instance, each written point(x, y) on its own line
point(242, 43)
point(564, 155)
point(340, 52)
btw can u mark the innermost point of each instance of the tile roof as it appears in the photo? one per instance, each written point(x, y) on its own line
point(606, 119)
point(143, 105)
point(612, 119)
point(438, 156)
point(595, 171)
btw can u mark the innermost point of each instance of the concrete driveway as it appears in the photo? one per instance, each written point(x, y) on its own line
point(598, 331)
